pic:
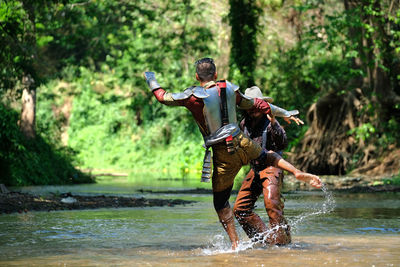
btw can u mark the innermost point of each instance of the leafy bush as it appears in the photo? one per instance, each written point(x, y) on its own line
point(104, 129)
point(27, 162)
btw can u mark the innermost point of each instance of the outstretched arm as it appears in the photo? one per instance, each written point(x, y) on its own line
point(260, 105)
point(309, 178)
point(286, 115)
point(272, 158)
point(162, 96)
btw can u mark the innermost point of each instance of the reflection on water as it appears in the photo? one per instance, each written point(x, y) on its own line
point(340, 230)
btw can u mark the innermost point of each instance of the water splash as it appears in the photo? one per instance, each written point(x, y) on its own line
point(327, 206)
point(220, 245)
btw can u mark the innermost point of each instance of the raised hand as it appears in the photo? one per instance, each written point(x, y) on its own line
point(151, 80)
point(293, 118)
point(271, 118)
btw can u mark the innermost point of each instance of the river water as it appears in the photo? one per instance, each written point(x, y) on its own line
point(327, 230)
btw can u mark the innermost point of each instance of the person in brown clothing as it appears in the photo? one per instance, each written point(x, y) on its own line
point(266, 131)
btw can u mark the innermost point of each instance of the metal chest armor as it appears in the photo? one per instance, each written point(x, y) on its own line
point(212, 106)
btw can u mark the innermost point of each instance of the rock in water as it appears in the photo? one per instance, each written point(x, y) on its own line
point(3, 189)
point(68, 200)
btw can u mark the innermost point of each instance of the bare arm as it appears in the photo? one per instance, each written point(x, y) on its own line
point(309, 178)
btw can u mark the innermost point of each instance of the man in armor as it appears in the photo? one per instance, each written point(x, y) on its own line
point(213, 106)
point(267, 132)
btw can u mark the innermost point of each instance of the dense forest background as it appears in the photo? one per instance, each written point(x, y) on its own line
point(73, 97)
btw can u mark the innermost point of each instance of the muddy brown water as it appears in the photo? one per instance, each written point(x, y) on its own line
point(329, 229)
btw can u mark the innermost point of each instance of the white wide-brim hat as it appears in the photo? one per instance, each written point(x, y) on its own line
point(255, 92)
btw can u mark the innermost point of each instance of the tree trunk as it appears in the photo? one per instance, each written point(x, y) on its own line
point(356, 33)
point(385, 69)
point(243, 18)
point(28, 113)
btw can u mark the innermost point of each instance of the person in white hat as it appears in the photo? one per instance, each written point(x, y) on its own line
point(255, 92)
point(267, 132)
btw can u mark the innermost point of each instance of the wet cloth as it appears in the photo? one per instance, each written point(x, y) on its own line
point(268, 182)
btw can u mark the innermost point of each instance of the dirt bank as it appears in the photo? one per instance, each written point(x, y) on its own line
point(22, 202)
point(351, 184)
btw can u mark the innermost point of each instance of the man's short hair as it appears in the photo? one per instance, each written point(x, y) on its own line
point(205, 69)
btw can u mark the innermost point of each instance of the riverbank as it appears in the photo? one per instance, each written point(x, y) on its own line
point(24, 202)
point(351, 184)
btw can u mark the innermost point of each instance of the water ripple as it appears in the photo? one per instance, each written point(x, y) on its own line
point(377, 229)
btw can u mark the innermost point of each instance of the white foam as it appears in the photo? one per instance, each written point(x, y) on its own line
point(220, 245)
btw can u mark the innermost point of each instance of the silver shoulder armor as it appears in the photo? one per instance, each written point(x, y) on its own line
point(183, 95)
point(233, 86)
point(280, 112)
point(197, 91)
point(200, 92)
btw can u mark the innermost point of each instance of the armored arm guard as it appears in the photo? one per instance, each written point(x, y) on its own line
point(280, 112)
point(151, 80)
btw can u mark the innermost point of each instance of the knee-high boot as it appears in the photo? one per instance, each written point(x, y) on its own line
point(252, 224)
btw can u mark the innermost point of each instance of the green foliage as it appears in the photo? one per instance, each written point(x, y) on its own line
point(115, 122)
point(103, 129)
point(90, 55)
point(11, 57)
point(127, 35)
point(391, 130)
point(331, 57)
point(27, 162)
point(23, 33)
point(363, 131)
point(100, 49)
point(295, 135)
point(298, 75)
point(243, 18)
point(395, 180)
